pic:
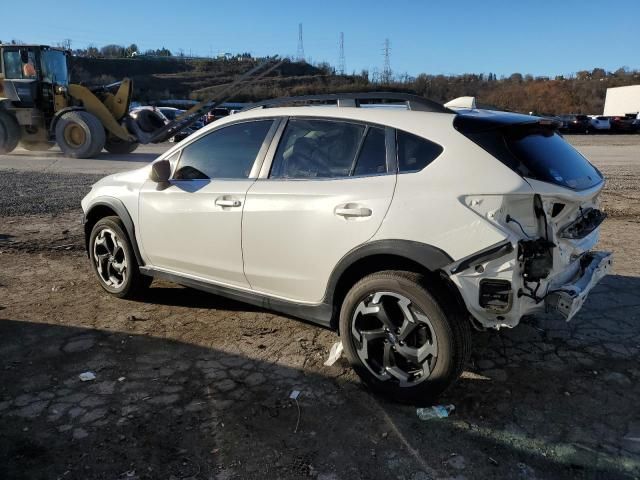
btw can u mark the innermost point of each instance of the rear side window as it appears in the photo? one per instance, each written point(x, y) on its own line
point(225, 153)
point(415, 153)
point(317, 149)
point(544, 155)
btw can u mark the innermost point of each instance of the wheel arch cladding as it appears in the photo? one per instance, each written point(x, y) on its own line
point(378, 256)
point(106, 207)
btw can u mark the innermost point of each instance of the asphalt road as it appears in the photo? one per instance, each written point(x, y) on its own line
point(53, 161)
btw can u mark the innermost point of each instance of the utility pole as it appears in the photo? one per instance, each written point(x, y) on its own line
point(341, 61)
point(386, 70)
point(300, 56)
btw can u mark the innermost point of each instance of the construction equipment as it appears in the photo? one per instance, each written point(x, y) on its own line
point(39, 107)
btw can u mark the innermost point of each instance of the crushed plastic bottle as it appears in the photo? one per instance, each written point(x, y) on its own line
point(437, 411)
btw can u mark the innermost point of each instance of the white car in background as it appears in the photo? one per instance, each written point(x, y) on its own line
point(399, 228)
point(600, 123)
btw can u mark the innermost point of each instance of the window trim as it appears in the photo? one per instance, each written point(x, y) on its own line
point(390, 152)
point(257, 162)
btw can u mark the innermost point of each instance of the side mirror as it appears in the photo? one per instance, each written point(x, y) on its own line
point(160, 171)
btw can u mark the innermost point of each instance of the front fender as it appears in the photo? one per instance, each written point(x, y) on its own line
point(95, 211)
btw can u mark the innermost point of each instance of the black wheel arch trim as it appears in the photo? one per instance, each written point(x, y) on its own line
point(483, 256)
point(430, 257)
point(119, 208)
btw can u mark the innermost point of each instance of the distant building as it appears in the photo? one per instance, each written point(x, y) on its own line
point(621, 101)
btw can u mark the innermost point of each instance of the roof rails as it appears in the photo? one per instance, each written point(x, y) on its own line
point(412, 102)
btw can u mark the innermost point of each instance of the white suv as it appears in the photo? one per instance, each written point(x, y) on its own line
point(398, 227)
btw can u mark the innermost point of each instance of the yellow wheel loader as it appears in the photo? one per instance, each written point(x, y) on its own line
point(39, 107)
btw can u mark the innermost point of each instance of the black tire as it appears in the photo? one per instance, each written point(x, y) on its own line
point(9, 132)
point(119, 147)
point(80, 134)
point(451, 329)
point(148, 120)
point(36, 146)
point(119, 284)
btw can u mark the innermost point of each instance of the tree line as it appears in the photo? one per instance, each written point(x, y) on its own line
point(581, 92)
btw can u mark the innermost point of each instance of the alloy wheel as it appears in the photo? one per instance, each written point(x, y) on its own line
point(110, 258)
point(394, 339)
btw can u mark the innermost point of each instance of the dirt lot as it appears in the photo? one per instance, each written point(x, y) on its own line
point(192, 386)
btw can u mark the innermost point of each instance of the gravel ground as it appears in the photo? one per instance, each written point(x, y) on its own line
point(192, 386)
point(30, 193)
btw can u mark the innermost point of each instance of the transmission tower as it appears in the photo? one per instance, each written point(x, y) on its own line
point(341, 62)
point(386, 70)
point(300, 56)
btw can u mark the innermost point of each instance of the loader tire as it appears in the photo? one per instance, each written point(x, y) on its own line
point(80, 134)
point(9, 132)
point(119, 147)
point(36, 146)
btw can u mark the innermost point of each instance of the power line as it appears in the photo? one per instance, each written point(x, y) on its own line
point(386, 70)
point(341, 61)
point(300, 56)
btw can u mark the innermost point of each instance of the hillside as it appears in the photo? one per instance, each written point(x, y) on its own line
point(157, 78)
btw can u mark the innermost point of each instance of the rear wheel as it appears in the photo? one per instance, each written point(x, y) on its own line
point(80, 134)
point(113, 260)
point(9, 132)
point(399, 339)
point(119, 146)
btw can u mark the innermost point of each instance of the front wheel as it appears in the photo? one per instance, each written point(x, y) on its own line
point(398, 338)
point(113, 260)
point(80, 134)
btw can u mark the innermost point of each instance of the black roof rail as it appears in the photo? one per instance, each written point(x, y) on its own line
point(412, 102)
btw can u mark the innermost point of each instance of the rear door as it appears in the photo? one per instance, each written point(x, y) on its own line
point(325, 191)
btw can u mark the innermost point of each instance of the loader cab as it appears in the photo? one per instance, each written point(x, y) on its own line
point(34, 76)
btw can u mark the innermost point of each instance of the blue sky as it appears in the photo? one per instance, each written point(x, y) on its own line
point(539, 37)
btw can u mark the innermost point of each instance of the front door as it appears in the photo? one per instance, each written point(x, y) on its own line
point(193, 226)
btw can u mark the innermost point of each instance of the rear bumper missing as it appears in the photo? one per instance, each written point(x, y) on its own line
point(567, 299)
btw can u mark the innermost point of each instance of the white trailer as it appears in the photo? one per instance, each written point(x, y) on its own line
point(621, 101)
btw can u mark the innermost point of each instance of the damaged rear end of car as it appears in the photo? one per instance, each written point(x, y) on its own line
point(546, 261)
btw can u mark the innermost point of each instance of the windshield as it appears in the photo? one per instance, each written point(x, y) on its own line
point(54, 67)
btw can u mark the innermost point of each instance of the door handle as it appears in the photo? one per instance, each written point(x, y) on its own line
point(352, 210)
point(224, 202)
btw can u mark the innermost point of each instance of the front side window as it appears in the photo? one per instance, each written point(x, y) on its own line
point(415, 153)
point(228, 152)
point(317, 149)
point(16, 68)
